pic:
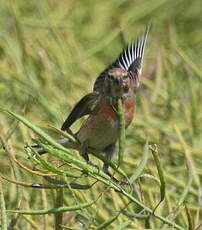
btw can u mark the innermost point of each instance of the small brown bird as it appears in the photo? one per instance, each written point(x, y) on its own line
point(120, 80)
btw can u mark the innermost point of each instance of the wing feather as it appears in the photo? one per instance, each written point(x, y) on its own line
point(134, 52)
point(82, 108)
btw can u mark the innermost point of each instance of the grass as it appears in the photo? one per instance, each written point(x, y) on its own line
point(50, 55)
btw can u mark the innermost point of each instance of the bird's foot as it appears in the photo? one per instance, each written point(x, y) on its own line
point(123, 183)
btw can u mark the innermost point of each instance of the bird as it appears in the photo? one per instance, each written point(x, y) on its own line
point(121, 79)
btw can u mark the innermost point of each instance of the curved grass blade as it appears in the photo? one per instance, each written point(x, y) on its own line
point(187, 186)
point(73, 185)
point(188, 156)
point(189, 219)
point(123, 225)
point(142, 164)
point(135, 215)
point(160, 172)
point(47, 165)
point(107, 223)
point(53, 210)
point(38, 131)
point(3, 210)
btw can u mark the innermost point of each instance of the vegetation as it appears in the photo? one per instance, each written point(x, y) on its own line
point(50, 54)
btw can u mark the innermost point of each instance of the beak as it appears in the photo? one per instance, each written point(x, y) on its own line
point(118, 81)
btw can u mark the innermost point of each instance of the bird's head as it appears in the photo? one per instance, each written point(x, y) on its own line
point(117, 83)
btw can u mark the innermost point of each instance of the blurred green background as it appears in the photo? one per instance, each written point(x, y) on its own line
point(50, 54)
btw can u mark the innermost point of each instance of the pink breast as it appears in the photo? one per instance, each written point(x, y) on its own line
point(129, 105)
point(109, 112)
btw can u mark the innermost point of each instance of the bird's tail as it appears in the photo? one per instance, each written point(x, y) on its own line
point(63, 141)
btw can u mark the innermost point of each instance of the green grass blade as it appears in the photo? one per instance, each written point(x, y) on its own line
point(53, 210)
point(187, 186)
point(107, 223)
point(38, 131)
point(123, 225)
point(47, 165)
point(142, 164)
point(121, 131)
point(160, 171)
point(3, 210)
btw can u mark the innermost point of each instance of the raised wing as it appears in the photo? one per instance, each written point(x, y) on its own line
point(82, 108)
point(130, 59)
point(132, 56)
